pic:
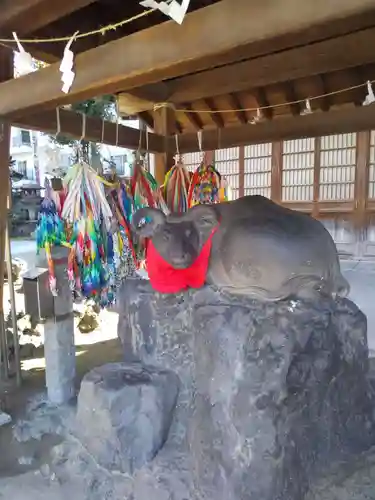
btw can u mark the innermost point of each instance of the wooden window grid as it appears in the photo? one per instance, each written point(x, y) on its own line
point(298, 170)
point(321, 176)
point(257, 169)
point(337, 167)
point(371, 172)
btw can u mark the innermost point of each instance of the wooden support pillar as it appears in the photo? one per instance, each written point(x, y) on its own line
point(241, 172)
point(6, 73)
point(165, 125)
point(361, 179)
point(316, 185)
point(277, 171)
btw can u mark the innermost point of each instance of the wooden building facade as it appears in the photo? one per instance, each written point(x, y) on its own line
point(330, 177)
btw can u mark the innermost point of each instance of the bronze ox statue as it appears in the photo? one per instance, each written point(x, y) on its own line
point(259, 249)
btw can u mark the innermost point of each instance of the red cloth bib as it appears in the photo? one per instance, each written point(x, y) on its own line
point(166, 279)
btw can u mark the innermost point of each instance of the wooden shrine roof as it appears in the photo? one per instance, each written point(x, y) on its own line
point(313, 60)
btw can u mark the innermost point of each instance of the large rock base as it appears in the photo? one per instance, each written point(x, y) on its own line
point(271, 393)
point(222, 398)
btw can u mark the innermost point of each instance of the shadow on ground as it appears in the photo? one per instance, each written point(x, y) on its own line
point(21, 457)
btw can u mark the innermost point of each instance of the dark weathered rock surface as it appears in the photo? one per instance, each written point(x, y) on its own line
point(271, 393)
point(124, 414)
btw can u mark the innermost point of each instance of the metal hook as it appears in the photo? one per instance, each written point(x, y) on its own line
point(117, 124)
point(58, 123)
point(177, 145)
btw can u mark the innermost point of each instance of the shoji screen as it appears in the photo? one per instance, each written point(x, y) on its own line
point(257, 171)
point(227, 163)
point(298, 170)
point(337, 167)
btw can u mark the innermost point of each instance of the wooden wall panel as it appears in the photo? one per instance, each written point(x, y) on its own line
point(332, 177)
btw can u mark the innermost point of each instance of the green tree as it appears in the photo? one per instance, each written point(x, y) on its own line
point(101, 107)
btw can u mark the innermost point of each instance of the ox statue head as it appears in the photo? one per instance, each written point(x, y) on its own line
point(177, 238)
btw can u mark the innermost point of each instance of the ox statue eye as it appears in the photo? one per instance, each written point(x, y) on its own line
point(206, 221)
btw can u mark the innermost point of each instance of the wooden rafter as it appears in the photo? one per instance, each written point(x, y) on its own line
point(317, 58)
point(262, 102)
point(71, 126)
point(184, 54)
point(312, 125)
point(179, 127)
point(291, 97)
point(216, 117)
point(193, 118)
point(237, 105)
point(358, 78)
point(326, 102)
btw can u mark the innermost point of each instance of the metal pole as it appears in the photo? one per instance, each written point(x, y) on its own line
point(16, 344)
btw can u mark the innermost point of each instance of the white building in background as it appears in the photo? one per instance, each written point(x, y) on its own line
point(22, 152)
point(35, 156)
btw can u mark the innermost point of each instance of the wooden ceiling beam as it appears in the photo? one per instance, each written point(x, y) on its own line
point(348, 120)
point(71, 127)
point(169, 50)
point(27, 16)
point(327, 56)
point(147, 118)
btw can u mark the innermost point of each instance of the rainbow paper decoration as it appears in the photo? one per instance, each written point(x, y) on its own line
point(205, 185)
point(176, 188)
point(50, 231)
point(87, 210)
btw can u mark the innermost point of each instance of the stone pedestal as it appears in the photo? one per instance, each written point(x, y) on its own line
point(59, 351)
point(124, 414)
point(271, 393)
point(59, 345)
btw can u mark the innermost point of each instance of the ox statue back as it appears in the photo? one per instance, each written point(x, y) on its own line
point(259, 249)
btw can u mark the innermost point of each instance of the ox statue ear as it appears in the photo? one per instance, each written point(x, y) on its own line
point(204, 217)
point(153, 219)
